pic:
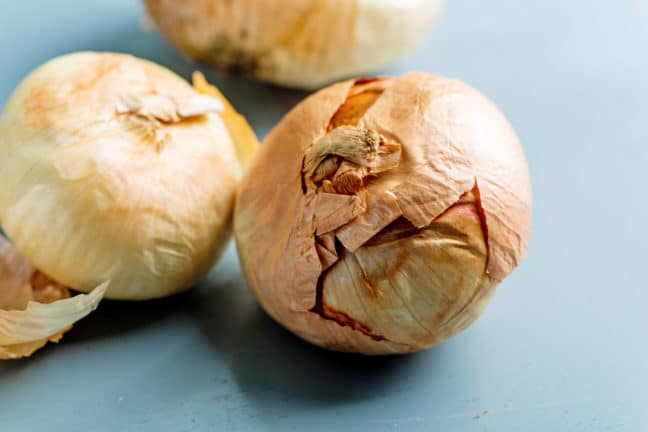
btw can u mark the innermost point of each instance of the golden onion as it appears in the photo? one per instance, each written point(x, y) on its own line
point(295, 43)
point(115, 169)
point(380, 214)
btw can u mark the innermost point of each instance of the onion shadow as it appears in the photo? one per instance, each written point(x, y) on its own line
point(273, 367)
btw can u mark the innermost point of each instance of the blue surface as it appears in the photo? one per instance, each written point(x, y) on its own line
point(563, 346)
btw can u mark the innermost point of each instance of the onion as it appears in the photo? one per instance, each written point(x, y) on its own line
point(115, 169)
point(380, 214)
point(295, 43)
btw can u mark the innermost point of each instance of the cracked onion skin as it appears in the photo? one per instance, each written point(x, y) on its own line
point(380, 214)
point(295, 43)
point(115, 168)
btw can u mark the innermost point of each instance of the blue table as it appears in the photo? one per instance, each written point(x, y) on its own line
point(563, 347)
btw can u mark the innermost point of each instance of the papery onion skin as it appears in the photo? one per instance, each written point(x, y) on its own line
point(295, 43)
point(113, 167)
point(33, 308)
point(426, 226)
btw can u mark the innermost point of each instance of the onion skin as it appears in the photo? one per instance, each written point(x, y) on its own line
point(295, 43)
point(34, 309)
point(114, 168)
point(409, 254)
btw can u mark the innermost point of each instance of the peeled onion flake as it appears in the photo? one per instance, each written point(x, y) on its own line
point(33, 308)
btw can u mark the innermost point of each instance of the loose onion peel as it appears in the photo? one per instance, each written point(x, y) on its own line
point(33, 308)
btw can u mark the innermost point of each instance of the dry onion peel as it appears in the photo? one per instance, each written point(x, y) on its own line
point(115, 168)
point(380, 214)
point(303, 43)
point(33, 309)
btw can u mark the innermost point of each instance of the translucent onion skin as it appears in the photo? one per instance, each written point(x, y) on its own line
point(34, 309)
point(114, 168)
point(295, 43)
point(380, 214)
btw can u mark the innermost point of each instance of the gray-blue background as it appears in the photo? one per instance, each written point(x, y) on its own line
point(562, 347)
